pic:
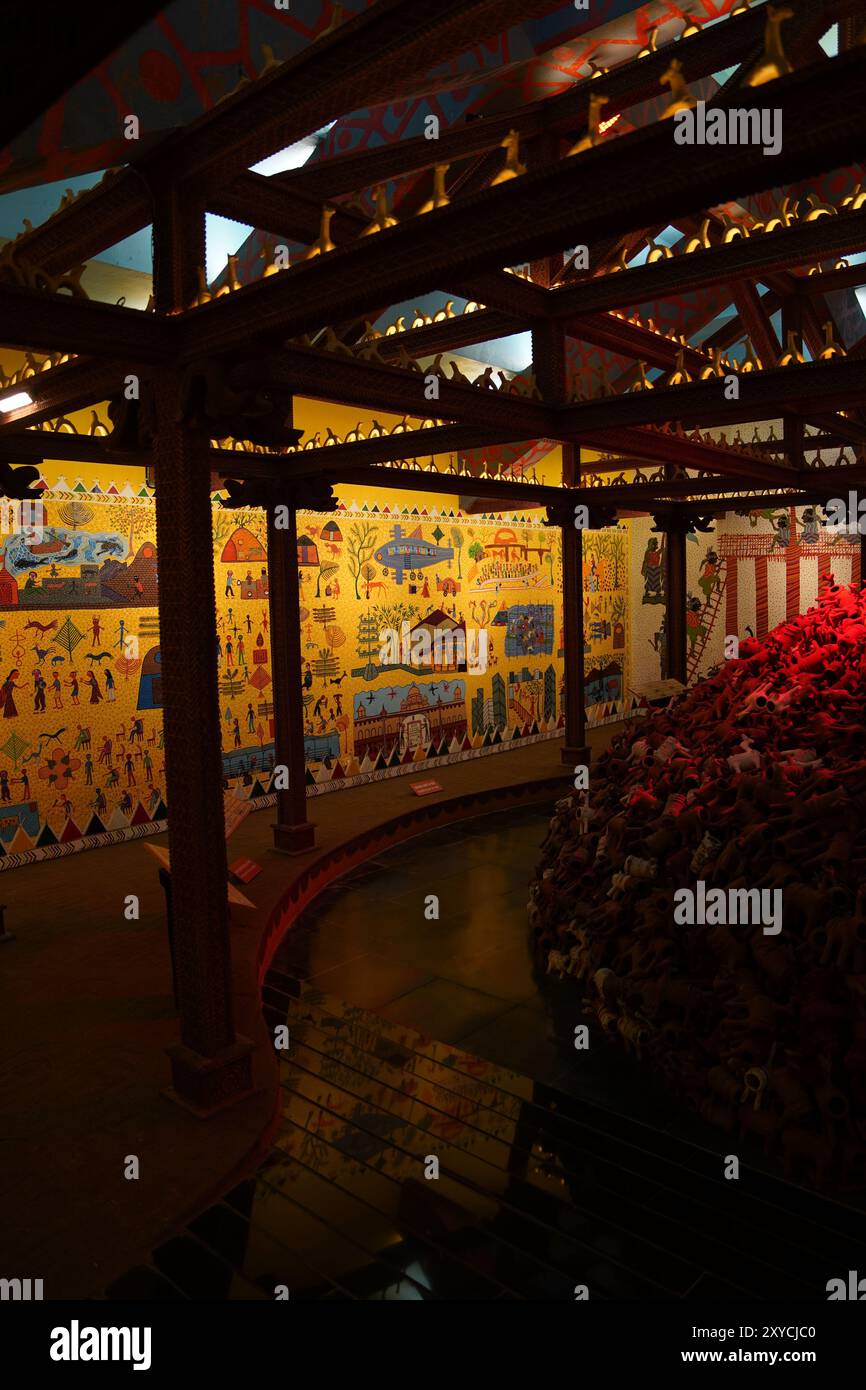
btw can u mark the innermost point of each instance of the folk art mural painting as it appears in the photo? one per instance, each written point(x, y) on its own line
point(427, 636)
point(749, 572)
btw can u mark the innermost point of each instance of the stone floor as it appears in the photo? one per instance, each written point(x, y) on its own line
point(86, 1013)
point(556, 1167)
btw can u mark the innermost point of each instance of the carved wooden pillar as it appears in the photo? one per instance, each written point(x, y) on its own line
point(293, 832)
point(210, 1065)
point(675, 596)
point(574, 749)
point(178, 247)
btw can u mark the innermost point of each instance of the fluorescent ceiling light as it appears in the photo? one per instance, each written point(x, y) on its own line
point(15, 402)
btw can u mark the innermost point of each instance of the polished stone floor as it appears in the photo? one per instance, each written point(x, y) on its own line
point(415, 1038)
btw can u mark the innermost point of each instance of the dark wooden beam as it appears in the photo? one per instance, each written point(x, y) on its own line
point(373, 57)
point(831, 280)
point(627, 84)
point(765, 395)
point(537, 214)
point(63, 323)
point(420, 444)
point(633, 340)
point(805, 243)
point(375, 386)
point(756, 322)
point(663, 447)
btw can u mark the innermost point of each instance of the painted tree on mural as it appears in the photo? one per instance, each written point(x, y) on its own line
point(549, 693)
point(550, 561)
point(500, 704)
point(327, 570)
point(75, 514)
point(360, 546)
point(130, 517)
point(457, 541)
point(368, 574)
point(367, 637)
point(394, 614)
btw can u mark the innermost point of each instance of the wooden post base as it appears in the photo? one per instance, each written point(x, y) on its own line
point(205, 1085)
point(295, 839)
point(576, 757)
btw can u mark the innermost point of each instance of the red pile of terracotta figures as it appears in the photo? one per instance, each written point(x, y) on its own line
point(753, 779)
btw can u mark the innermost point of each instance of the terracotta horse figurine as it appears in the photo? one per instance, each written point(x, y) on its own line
point(774, 63)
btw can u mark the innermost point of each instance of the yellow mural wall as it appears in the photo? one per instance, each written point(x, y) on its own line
point(428, 635)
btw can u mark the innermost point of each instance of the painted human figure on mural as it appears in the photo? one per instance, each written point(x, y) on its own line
point(241, 656)
point(100, 804)
point(136, 731)
point(88, 770)
point(110, 692)
point(652, 570)
point(130, 770)
point(57, 688)
point(230, 646)
point(709, 574)
point(95, 692)
point(694, 625)
point(105, 752)
point(230, 593)
point(25, 785)
point(236, 731)
point(147, 764)
point(73, 686)
point(659, 642)
point(782, 526)
point(251, 719)
point(96, 629)
point(4, 786)
point(809, 534)
point(39, 687)
point(7, 694)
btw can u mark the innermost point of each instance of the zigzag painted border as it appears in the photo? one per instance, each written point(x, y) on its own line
point(105, 837)
point(428, 764)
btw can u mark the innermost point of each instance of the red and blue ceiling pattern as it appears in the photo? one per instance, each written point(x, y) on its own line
point(196, 51)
